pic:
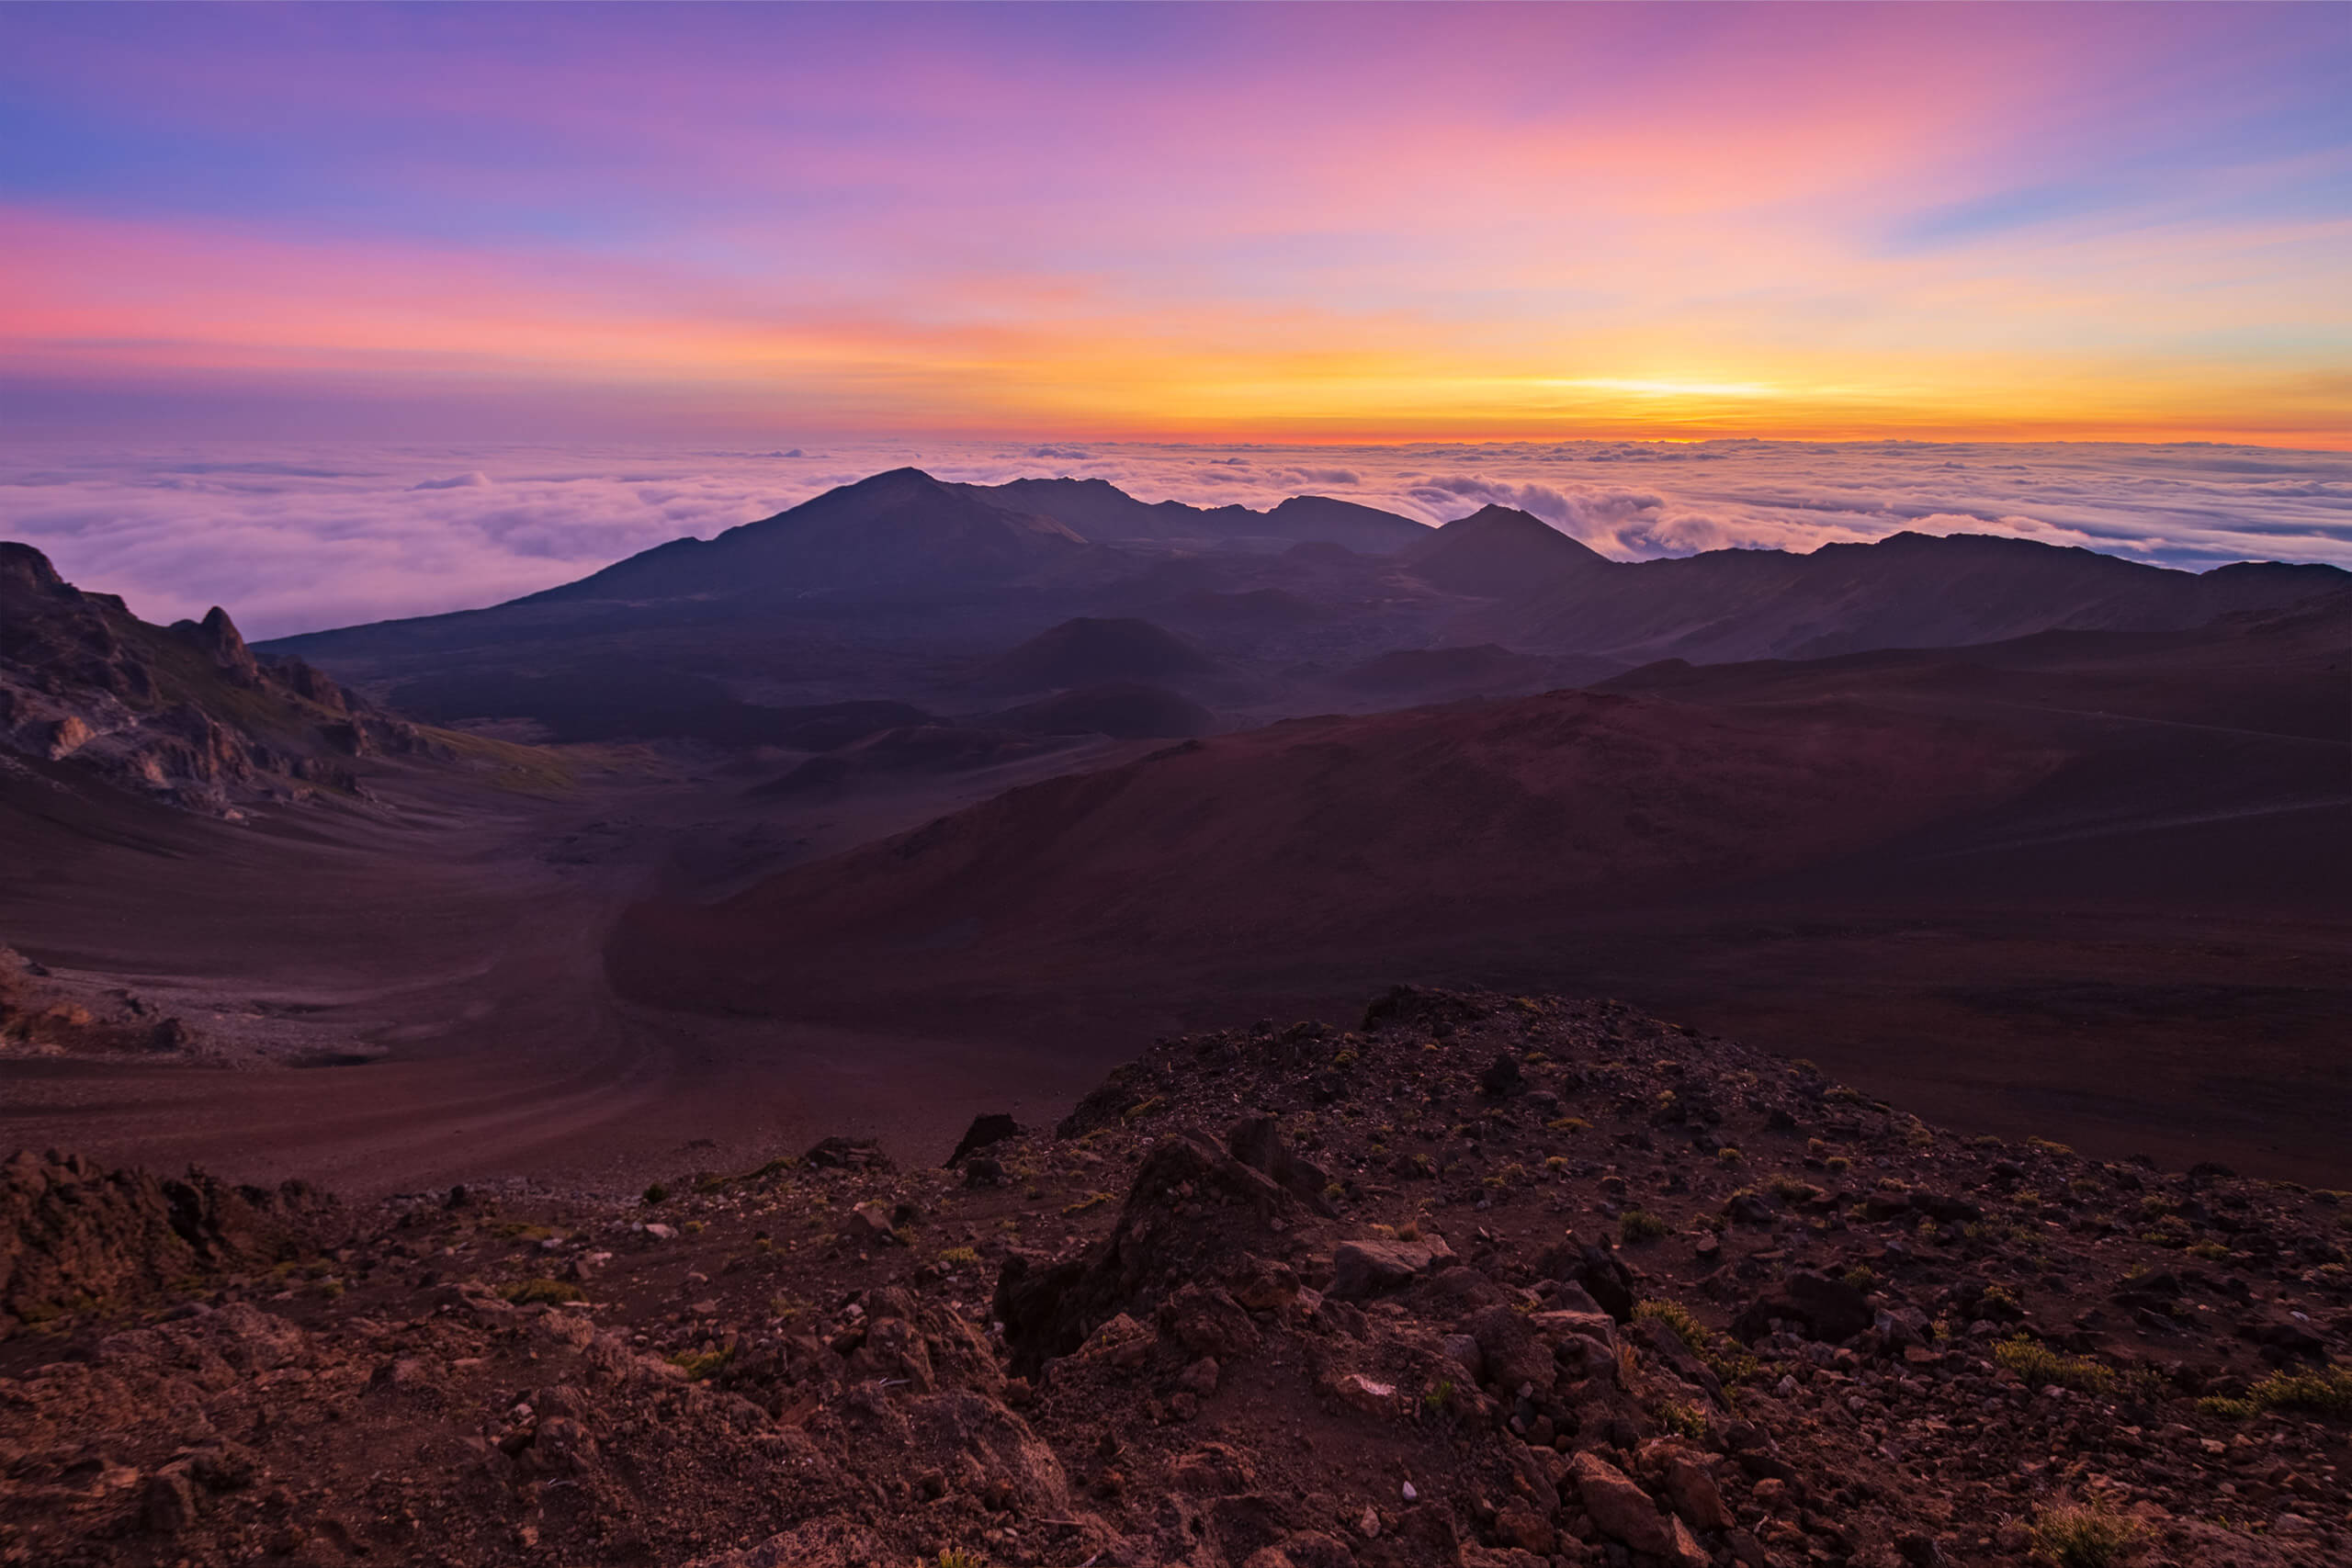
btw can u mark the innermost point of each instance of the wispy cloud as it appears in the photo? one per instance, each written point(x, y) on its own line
point(1295, 223)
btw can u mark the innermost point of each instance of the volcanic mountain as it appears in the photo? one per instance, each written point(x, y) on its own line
point(1906, 591)
point(900, 528)
point(1499, 552)
point(895, 588)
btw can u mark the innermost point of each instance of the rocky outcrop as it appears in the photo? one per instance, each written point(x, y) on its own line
point(186, 714)
point(72, 1233)
point(1173, 1376)
point(1191, 1212)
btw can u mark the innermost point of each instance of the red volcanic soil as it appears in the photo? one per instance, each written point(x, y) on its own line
point(2083, 885)
point(1378, 832)
point(1126, 710)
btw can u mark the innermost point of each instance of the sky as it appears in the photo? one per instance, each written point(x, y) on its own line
point(307, 534)
point(771, 225)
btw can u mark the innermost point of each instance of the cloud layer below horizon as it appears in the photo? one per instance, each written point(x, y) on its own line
point(299, 539)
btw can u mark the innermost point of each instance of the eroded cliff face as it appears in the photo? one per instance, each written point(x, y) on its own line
point(186, 713)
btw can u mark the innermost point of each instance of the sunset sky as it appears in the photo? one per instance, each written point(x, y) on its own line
point(1193, 222)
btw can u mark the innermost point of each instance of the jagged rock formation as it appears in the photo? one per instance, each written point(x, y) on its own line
point(185, 713)
point(72, 1233)
point(1483, 1283)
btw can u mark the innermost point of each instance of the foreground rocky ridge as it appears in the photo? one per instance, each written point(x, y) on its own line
point(186, 714)
point(1485, 1281)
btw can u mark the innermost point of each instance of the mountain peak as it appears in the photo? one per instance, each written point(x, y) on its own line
point(1496, 552)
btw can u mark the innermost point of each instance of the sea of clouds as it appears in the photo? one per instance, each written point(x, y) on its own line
point(297, 539)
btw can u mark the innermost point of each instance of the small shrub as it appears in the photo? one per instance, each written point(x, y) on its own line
point(1636, 1225)
point(527, 1292)
point(1087, 1204)
point(1677, 1318)
point(700, 1364)
point(1727, 1156)
point(957, 1557)
point(1574, 1124)
point(657, 1193)
point(2327, 1392)
point(2084, 1535)
point(1437, 1397)
point(1725, 1359)
point(1863, 1278)
point(1684, 1421)
point(1789, 1189)
point(960, 1258)
point(2040, 1366)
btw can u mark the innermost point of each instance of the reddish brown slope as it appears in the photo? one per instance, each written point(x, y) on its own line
point(1381, 833)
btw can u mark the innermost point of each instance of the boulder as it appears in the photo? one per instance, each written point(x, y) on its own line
point(1208, 1321)
point(1194, 1213)
point(1944, 1208)
point(986, 1132)
point(1256, 1141)
point(1825, 1308)
point(1520, 1525)
point(1363, 1393)
point(1690, 1487)
point(847, 1153)
point(1364, 1269)
point(1620, 1509)
point(1596, 1271)
point(1513, 1356)
point(1501, 1077)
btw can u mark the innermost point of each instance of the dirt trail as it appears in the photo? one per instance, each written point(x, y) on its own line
point(458, 941)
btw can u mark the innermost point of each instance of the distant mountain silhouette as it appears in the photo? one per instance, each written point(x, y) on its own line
point(1497, 551)
point(897, 527)
point(1906, 591)
point(1104, 513)
point(901, 588)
